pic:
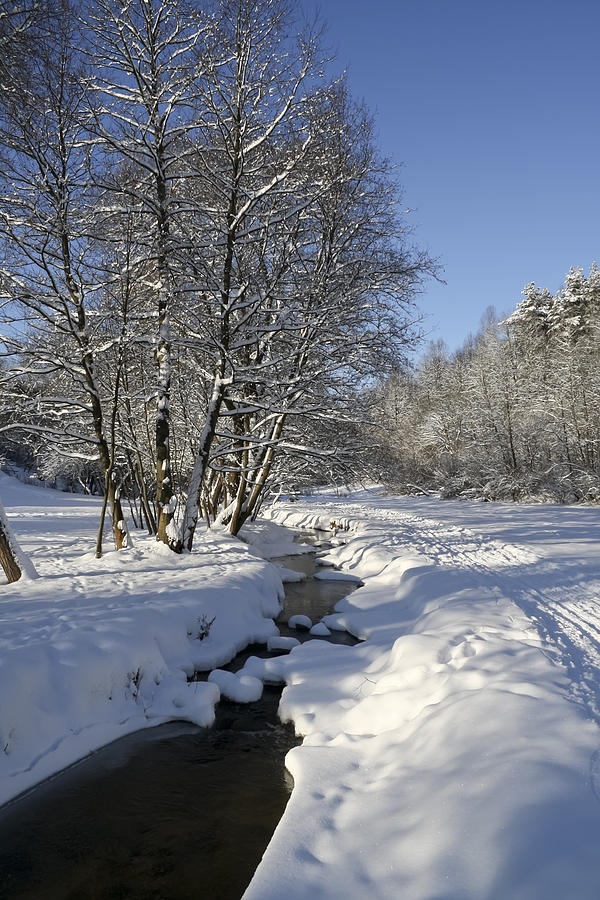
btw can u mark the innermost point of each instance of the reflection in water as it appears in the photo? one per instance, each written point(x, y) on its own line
point(172, 812)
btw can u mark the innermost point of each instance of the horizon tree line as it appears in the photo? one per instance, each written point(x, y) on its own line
point(514, 413)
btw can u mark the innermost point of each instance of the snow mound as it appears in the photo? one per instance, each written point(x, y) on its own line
point(320, 630)
point(300, 622)
point(180, 699)
point(288, 576)
point(239, 688)
point(282, 643)
point(269, 671)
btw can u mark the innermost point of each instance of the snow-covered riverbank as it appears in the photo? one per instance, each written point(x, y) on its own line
point(454, 753)
point(95, 649)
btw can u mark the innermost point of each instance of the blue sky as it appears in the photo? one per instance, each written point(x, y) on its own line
point(494, 110)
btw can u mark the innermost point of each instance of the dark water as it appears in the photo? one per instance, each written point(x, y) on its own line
point(171, 813)
point(312, 598)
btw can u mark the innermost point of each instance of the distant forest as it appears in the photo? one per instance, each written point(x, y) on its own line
point(514, 413)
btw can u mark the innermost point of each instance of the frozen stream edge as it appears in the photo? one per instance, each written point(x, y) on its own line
point(165, 803)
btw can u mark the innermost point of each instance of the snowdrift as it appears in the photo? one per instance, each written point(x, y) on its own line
point(442, 757)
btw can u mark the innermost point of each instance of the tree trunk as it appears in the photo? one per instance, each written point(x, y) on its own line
point(8, 560)
point(246, 510)
point(190, 517)
point(12, 559)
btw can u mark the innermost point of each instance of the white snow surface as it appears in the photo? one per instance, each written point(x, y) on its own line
point(94, 649)
point(455, 753)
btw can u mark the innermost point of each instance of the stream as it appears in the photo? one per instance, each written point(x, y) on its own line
point(168, 813)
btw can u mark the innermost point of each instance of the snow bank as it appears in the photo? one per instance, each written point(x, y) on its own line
point(270, 540)
point(441, 757)
point(334, 575)
point(94, 649)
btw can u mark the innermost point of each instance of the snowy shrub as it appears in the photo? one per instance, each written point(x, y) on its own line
point(202, 627)
point(133, 682)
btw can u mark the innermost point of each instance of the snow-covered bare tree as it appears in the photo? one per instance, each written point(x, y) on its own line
point(50, 280)
point(148, 60)
point(347, 312)
point(256, 134)
point(204, 265)
point(16, 19)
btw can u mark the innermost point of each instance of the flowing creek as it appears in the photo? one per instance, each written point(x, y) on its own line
point(169, 813)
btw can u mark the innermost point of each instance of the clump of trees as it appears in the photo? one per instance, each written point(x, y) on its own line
point(202, 257)
point(514, 413)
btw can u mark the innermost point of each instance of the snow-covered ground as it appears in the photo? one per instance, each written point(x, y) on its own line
point(94, 649)
point(454, 753)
